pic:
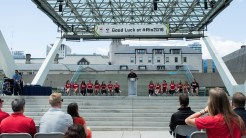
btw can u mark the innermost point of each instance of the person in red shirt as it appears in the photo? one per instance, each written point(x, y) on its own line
point(2, 113)
point(89, 88)
point(157, 88)
point(75, 87)
point(186, 88)
point(75, 131)
point(151, 88)
point(180, 88)
point(17, 122)
point(221, 121)
point(73, 110)
point(172, 88)
point(110, 88)
point(83, 88)
point(67, 87)
point(103, 88)
point(96, 87)
point(164, 87)
point(117, 88)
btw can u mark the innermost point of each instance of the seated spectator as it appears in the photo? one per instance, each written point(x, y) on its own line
point(73, 110)
point(221, 121)
point(238, 104)
point(75, 131)
point(151, 88)
point(179, 117)
point(179, 88)
point(55, 120)
point(17, 122)
point(2, 113)
point(172, 88)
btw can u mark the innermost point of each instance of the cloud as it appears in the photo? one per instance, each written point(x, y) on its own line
point(102, 50)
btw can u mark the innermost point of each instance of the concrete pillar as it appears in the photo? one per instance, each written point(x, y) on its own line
point(7, 61)
point(45, 67)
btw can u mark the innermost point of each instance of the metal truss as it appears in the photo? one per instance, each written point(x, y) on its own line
point(77, 18)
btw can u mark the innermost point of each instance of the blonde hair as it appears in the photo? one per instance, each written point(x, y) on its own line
point(218, 103)
point(55, 99)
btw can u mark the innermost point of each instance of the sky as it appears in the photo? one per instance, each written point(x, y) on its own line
point(26, 28)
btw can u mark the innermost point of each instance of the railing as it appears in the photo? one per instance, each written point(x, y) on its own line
point(76, 74)
point(188, 73)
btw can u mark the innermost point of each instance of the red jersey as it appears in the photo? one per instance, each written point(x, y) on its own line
point(83, 86)
point(110, 86)
point(186, 86)
point(67, 85)
point(103, 86)
point(157, 86)
point(151, 86)
point(116, 86)
point(89, 85)
point(180, 86)
point(172, 86)
point(75, 85)
point(3, 115)
point(164, 86)
point(97, 86)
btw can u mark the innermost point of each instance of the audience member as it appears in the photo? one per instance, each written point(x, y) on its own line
point(238, 103)
point(83, 88)
point(73, 110)
point(179, 117)
point(67, 87)
point(17, 122)
point(75, 131)
point(55, 120)
point(195, 87)
point(221, 121)
point(2, 113)
point(151, 88)
point(180, 87)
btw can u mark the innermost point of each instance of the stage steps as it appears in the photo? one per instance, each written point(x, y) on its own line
point(119, 113)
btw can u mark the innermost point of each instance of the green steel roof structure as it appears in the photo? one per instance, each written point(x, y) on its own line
point(184, 18)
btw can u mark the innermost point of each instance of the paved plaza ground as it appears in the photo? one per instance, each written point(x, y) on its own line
point(131, 134)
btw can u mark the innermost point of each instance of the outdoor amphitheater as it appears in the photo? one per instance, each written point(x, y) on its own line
point(132, 111)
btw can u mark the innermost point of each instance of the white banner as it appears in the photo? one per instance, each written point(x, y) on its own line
point(130, 30)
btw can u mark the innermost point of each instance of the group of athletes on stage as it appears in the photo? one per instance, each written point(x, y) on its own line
point(172, 88)
point(90, 88)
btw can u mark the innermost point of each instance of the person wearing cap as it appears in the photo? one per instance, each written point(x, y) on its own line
point(17, 122)
point(2, 113)
point(55, 120)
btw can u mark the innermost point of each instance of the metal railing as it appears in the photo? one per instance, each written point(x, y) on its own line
point(188, 73)
point(76, 74)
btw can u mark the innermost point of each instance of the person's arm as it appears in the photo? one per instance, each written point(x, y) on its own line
point(172, 123)
point(191, 119)
point(33, 130)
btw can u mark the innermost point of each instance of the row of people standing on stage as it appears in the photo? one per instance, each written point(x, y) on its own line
point(172, 88)
point(89, 88)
